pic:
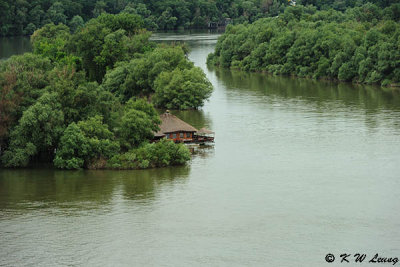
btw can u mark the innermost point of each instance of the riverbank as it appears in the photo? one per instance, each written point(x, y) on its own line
point(303, 42)
point(328, 79)
point(300, 165)
point(84, 104)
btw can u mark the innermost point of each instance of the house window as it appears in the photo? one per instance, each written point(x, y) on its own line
point(188, 135)
point(168, 136)
point(181, 135)
point(174, 136)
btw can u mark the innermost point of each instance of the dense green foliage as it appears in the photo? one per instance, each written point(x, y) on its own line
point(138, 75)
point(164, 72)
point(181, 89)
point(138, 123)
point(89, 140)
point(359, 45)
point(342, 5)
point(37, 131)
point(24, 17)
point(22, 81)
point(81, 99)
point(161, 154)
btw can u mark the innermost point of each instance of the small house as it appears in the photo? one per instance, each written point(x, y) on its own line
point(175, 129)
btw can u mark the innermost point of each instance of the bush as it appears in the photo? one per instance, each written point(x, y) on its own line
point(160, 154)
point(85, 143)
point(138, 123)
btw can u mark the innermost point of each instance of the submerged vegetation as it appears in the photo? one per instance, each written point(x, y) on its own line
point(361, 44)
point(82, 100)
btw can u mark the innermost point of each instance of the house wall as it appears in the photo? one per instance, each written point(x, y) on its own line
point(178, 138)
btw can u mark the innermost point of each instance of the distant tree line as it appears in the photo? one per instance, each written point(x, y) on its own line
point(360, 45)
point(342, 5)
point(82, 100)
point(23, 17)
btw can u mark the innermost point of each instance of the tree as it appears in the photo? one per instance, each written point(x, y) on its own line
point(182, 89)
point(36, 16)
point(85, 142)
point(114, 79)
point(30, 28)
point(72, 150)
point(137, 77)
point(76, 23)
point(9, 102)
point(115, 48)
point(138, 123)
point(37, 132)
point(88, 44)
point(166, 21)
point(353, 46)
point(22, 81)
point(161, 154)
point(104, 41)
point(51, 111)
point(130, 23)
point(145, 71)
point(80, 99)
point(56, 13)
point(51, 41)
point(99, 8)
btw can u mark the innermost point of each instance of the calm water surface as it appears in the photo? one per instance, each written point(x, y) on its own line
point(13, 46)
point(299, 169)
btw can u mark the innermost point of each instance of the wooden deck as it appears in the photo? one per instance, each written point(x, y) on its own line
point(198, 140)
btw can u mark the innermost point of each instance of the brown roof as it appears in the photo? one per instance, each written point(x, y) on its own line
point(171, 123)
point(205, 131)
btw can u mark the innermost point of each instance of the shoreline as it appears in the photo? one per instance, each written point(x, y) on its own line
point(323, 78)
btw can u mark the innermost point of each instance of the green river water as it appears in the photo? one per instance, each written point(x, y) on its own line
point(299, 169)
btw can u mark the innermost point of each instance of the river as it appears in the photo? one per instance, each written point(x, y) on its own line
point(300, 169)
point(13, 46)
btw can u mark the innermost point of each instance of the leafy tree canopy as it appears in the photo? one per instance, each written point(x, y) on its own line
point(23, 17)
point(84, 143)
point(57, 106)
point(38, 131)
point(182, 89)
point(360, 45)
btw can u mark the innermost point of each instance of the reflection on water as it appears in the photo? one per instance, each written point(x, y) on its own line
point(300, 169)
point(19, 188)
point(376, 105)
point(14, 46)
point(143, 184)
point(370, 98)
point(41, 188)
point(197, 118)
point(204, 151)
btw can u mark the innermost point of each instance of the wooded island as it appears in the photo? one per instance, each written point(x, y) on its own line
point(82, 99)
point(86, 96)
point(360, 44)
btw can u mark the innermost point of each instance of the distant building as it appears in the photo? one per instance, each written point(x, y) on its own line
point(175, 129)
